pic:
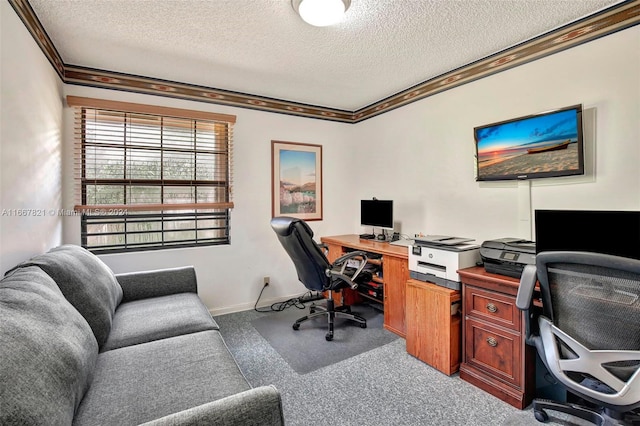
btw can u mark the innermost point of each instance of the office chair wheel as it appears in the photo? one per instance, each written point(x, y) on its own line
point(363, 325)
point(312, 311)
point(296, 326)
point(541, 416)
point(329, 337)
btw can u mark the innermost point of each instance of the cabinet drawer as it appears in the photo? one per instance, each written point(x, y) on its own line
point(494, 350)
point(494, 307)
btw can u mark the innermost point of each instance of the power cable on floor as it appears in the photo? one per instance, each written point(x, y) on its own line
point(298, 302)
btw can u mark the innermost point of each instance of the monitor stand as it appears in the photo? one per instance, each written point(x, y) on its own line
point(388, 237)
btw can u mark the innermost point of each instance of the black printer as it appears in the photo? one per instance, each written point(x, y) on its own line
point(507, 256)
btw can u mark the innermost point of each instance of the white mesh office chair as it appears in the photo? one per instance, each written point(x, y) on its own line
point(587, 333)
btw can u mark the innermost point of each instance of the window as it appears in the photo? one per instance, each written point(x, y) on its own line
point(151, 177)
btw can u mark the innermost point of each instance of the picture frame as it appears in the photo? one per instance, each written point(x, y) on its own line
point(296, 180)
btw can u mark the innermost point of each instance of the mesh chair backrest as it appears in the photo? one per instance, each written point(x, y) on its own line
point(310, 262)
point(594, 301)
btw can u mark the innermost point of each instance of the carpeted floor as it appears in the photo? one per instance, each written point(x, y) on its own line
point(306, 349)
point(380, 387)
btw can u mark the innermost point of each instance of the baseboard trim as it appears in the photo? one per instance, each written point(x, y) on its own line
point(248, 306)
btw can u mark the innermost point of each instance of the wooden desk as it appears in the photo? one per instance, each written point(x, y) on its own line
point(495, 356)
point(395, 273)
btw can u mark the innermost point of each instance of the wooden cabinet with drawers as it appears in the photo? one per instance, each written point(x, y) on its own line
point(495, 356)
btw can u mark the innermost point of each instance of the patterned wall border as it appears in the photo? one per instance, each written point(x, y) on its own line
point(616, 18)
point(31, 21)
point(112, 80)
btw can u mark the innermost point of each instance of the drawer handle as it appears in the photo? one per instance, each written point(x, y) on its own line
point(492, 308)
point(492, 342)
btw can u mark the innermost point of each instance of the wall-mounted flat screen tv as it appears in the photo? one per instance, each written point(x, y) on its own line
point(548, 144)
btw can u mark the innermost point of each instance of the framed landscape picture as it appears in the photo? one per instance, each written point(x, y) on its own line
point(296, 180)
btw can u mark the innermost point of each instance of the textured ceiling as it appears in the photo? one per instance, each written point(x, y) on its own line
point(262, 47)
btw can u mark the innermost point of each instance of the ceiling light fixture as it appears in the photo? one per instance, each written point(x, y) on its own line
point(321, 13)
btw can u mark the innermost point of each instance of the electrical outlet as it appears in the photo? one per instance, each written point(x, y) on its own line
point(265, 281)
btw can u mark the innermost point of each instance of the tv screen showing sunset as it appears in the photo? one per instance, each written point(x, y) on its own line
point(534, 145)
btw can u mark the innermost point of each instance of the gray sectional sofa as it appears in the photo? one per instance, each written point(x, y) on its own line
point(80, 345)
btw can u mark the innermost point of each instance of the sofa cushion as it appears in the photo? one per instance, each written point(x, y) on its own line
point(259, 406)
point(156, 283)
point(145, 320)
point(139, 383)
point(47, 351)
point(86, 282)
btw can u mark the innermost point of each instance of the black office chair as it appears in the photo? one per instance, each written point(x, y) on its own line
point(316, 272)
point(587, 332)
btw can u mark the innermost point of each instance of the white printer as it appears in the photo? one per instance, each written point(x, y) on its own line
point(436, 258)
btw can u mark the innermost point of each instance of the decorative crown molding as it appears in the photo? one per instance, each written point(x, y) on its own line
point(603, 23)
point(616, 18)
point(30, 20)
point(153, 86)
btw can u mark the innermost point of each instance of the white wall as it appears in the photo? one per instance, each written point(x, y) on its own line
point(230, 277)
point(30, 143)
point(427, 148)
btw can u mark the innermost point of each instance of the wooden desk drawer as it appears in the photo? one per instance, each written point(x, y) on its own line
point(494, 350)
point(494, 307)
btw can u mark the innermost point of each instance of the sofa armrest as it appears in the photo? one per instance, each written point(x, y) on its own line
point(161, 282)
point(259, 406)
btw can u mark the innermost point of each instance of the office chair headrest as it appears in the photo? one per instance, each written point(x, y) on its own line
point(283, 225)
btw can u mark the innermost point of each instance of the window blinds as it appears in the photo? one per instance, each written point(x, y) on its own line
point(133, 158)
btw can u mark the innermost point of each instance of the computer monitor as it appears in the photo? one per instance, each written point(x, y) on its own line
point(376, 213)
point(597, 231)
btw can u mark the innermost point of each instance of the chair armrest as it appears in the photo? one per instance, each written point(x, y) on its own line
point(349, 255)
point(341, 261)
point(343, 277)
point(259, 406)
point(161, 282)
point(524, 299)
point(324, 248)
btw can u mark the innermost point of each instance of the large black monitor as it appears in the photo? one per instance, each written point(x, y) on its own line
point(598, 231)
point(376, 213)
